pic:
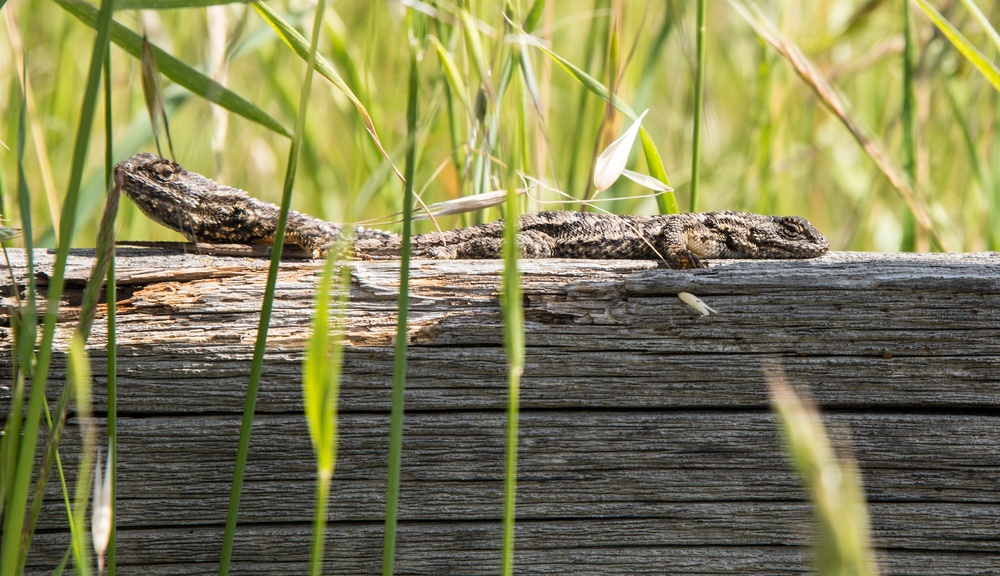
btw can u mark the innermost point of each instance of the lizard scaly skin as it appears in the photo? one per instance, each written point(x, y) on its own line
point(206, 211)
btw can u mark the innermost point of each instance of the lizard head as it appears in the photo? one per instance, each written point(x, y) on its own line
point(166, 192)
point(790, 237)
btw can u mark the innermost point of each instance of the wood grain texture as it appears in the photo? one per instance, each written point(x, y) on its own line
point(646, 441)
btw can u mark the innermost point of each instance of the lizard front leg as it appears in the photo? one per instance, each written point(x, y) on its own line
point(684, 241)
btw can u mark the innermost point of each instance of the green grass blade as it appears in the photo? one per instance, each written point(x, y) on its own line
point(176, 70)
point(970, 52)
point(909, 120)
point(993, 218)
point(399, 358)
point(314, 382)
point(78, 378)
point(452, 74)
point(473, 44)
point(88, 309)
point(699, 102)
point(105, 250)
point(980, 171)
point(12, 426)
point(592, 46)
point(297, 43)
point(24, 326)
point(24, 323)
point(61, 567)
point(321, 390)
point(260, 346)
point(764, 126)
point(10, 551)
point(513, 327)
point(111, 298)
point(24, 329)
point(534, 15)
point(112, 392)
point(456, 120)
point(24, 206)
point(666, 203)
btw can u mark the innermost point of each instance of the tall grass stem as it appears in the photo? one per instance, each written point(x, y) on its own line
point(403, 305)
point(79, 380)
point(321, 392)
point(699, 103)
point(909, 119)
point(260, 346)
point(111, 299)
point(513, 326)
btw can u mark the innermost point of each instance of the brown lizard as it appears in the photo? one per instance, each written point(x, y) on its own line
point(205, 211)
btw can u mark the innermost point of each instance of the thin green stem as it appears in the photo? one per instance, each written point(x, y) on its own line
point(321, 371)
point(24, 323)
point(399, 364)
point(514, 340)
point(993, 218)
point(260, 346)
point(513, 320)
point(79, 379)
point(592, 47)
point(112, 367)
point(319, 521)
point(764, 127)
point(111, 297)
point(699, 100)
point(510, 464)
point(908, 243)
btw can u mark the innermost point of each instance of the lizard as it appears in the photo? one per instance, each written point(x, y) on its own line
point(206, 211)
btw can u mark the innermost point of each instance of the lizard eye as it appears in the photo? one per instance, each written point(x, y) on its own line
point(792, 228)
point(163, 171)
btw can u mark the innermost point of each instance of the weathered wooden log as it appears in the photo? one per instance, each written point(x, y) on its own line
point(647, 445)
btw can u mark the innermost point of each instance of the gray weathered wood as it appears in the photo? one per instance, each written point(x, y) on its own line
point(646, 443)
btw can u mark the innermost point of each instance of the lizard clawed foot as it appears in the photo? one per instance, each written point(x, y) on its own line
point(448, 252)
point(684, 259)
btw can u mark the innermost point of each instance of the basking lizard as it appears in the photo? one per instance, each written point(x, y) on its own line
point(206, 211)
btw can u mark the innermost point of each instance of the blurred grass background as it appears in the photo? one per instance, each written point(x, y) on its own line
point(768, 144)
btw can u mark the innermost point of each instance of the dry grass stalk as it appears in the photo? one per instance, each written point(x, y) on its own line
point(837, 104)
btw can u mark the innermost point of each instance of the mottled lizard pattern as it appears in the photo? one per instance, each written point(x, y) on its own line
point(205, 211)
